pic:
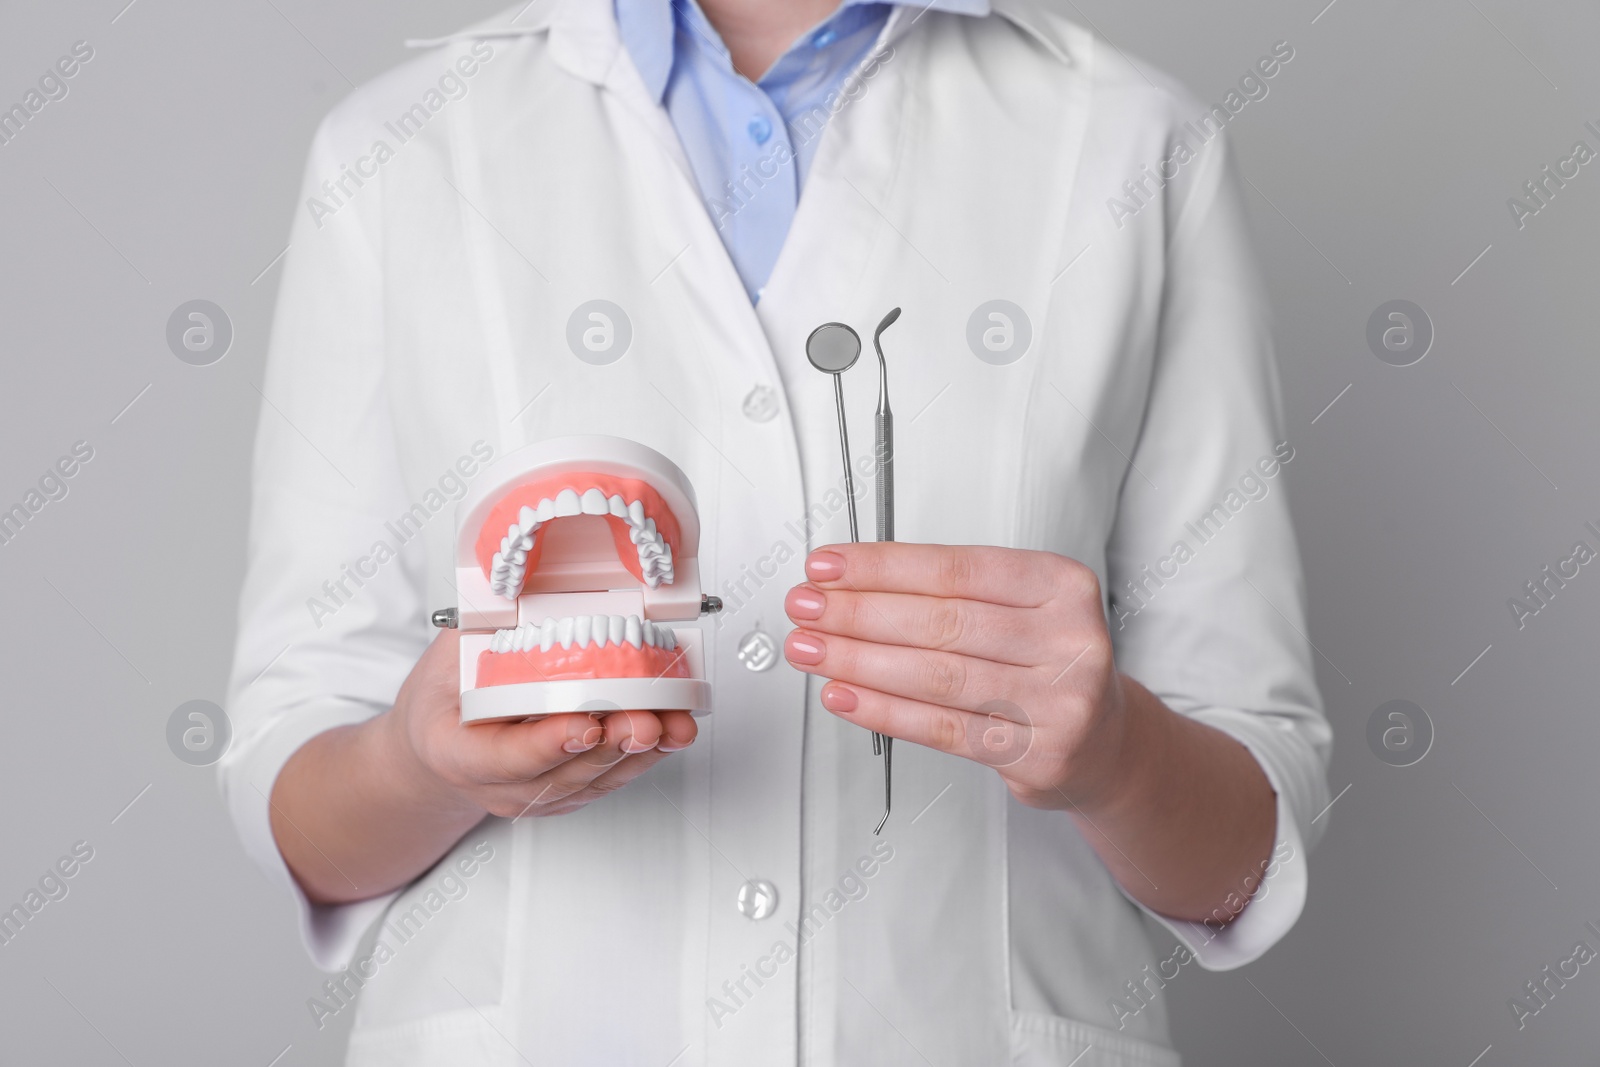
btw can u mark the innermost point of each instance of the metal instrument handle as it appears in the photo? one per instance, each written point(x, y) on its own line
point(884, 425)
point(844, 450)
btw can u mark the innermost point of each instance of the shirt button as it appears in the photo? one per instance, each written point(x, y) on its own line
point(757, 651)
point(760, 129)
point(825, 37)
point(761, 404)
point(758, 898)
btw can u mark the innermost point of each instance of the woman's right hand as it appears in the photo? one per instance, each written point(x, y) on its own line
point(550, 767)
point(359, 810)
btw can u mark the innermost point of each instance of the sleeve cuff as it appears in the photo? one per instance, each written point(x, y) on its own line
point(1280, 885)
point(331, 933)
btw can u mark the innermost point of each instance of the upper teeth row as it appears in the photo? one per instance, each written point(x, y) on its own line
point(582, 630)
point(510, 564)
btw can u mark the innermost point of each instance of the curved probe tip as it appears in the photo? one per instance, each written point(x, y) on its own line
point(888, 321)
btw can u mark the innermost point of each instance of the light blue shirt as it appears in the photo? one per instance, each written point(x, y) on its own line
point(750, 144)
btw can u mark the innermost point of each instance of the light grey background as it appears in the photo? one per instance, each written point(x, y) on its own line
point(1426, 496)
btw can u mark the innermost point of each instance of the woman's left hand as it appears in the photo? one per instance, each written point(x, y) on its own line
point(998, 655)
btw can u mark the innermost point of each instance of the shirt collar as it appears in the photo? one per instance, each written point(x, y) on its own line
point(584, 41)
point(648, 29)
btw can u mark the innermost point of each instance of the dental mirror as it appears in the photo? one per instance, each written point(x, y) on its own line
point(833, 348)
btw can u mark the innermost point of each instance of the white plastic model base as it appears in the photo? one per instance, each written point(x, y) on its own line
point(534, 700)
point(574, 557)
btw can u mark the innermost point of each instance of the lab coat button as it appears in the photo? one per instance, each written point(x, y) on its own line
point(758, 899)
point(761, 404)
point(758, 651)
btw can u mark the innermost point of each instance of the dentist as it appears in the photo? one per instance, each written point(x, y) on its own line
point(1094, 643)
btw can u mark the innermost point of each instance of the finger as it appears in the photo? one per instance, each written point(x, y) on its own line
point(678, 730)
point(556, 797)
point(944, 678)
point(626, 733)
point(632, 732)
point(948, 624)
point(546, 795)
point(998, 737)
point(609, 782)
point(520, 751)
point(1010, 576)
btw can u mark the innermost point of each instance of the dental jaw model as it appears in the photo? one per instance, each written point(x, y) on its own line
point(574, 557)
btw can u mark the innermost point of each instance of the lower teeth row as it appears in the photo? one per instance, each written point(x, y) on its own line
point(581, 630)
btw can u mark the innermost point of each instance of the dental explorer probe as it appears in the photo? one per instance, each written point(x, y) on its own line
point(883, 454)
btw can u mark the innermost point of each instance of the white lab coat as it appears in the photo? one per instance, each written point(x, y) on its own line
point(422, 325)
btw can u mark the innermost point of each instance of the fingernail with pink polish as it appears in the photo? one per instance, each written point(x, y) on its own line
point(804, 649)
point(838, 698)
point(803, 602)
point(824, 566)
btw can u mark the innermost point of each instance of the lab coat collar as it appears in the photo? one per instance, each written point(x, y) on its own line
point(1028, 16)
point(650, 28)
point(583, 33)
point(521, 20)
point(584, 38)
